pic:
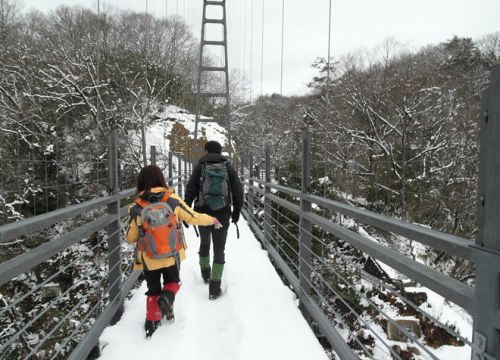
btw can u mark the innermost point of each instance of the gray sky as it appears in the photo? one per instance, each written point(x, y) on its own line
point(355, 24)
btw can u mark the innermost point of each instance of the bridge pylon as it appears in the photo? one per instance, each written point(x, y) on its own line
point(202, 68)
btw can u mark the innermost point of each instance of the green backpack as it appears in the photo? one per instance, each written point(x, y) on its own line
point(214, 189)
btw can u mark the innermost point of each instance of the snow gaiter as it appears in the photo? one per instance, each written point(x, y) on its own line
point(171, 286)
point(153, 312)
point(204, 262)
point(205, 268)
point(217, 270)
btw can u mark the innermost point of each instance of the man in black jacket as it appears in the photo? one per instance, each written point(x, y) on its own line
point(194, 191)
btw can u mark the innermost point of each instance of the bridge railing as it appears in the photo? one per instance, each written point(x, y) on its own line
point(353, 288)
point(40, 318)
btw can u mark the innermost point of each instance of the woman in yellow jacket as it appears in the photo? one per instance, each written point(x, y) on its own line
point(151, 189)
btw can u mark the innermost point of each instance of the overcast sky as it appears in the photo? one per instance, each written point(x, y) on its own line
point(355, 24)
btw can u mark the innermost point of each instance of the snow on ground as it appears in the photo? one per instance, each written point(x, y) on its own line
point(256, 318)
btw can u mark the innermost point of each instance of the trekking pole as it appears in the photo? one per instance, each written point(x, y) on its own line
point(237, 231)
point(196, 231)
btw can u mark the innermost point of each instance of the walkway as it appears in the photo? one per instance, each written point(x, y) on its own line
point(257, 318)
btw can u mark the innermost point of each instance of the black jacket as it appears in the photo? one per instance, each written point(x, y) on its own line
point(193, 190)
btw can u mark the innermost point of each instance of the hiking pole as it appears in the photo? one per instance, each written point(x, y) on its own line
point(196, 231)
point(237, 231)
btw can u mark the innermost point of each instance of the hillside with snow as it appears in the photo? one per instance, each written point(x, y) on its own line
point(161, 126)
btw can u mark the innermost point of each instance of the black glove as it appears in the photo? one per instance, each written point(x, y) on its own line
point(235, 216)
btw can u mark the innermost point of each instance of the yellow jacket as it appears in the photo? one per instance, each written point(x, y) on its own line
point(182, 213)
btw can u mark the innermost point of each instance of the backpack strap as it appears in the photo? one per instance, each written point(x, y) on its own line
point(229, 189)
point(134, 212)
point(173, 203)
point(203, 165)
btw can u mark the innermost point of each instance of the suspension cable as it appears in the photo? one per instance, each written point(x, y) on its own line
point(143, 127)
point(98, 63)
point(244, 43)
point(166, 47)
point(282, 43)
point(327, 95)
point(262, 49)
point(329, 38)
point(251, 48)
point(242, 3)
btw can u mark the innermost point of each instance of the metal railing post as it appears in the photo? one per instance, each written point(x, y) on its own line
point(267, 201)
point(143, 143)
point(486, 336)
point(305, 262)
point(170, 169)
point(113, 229)
point(153, 155)
point(179, 172)
point(250, 189)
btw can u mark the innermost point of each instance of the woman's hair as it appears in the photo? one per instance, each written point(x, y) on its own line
point(150, 177)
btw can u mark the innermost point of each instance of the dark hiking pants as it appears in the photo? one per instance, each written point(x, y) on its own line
point(209, 234)
point(153, 278)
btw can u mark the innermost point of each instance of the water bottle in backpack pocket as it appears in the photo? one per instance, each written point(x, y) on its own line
point(214, 192)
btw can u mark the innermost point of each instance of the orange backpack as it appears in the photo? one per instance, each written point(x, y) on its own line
point(160, 234)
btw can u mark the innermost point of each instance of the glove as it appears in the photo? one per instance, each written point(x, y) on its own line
point(235, 216)
point(217, 224)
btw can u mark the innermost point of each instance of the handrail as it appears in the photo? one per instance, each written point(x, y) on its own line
point(28, 260)
point(23, 263)
point(453, 245)
point(27, 226)
point(88, 342)
point(445, 285)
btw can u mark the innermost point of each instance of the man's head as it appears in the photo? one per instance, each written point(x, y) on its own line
point(213, 147)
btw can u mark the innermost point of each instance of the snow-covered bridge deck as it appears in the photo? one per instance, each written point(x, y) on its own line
point(257, 317)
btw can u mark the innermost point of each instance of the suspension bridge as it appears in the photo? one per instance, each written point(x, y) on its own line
point(310, 277)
